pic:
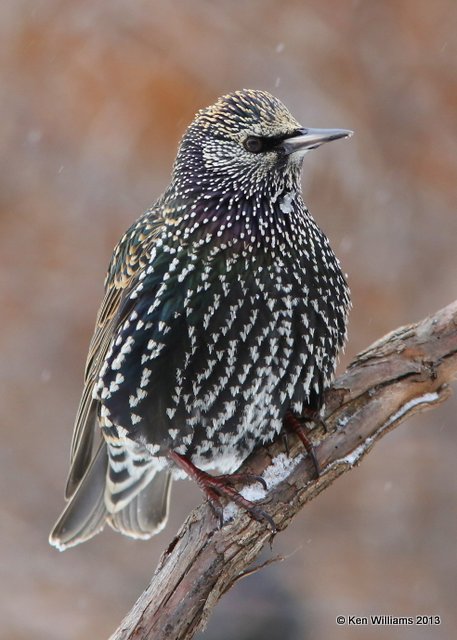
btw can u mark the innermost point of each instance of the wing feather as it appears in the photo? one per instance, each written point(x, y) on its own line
point(130, 256)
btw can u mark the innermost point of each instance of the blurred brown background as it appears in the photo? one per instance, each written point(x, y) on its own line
point(95, 96)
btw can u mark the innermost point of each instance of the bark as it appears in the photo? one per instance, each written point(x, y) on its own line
point(405, 372)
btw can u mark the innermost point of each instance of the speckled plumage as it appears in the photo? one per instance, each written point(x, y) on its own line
point(224, 308)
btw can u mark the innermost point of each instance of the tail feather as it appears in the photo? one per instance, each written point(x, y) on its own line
point(124, 490)
point(85, 514)
point(131, 469)
point(146, 514)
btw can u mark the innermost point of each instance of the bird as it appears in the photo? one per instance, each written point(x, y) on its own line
point(224, 313)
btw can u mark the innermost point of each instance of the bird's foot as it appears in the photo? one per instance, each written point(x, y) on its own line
point(216, 487)
point(293, 423)
point(314, 415)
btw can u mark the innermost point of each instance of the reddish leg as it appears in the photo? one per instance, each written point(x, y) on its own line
point(216, 487)
point(295, 425)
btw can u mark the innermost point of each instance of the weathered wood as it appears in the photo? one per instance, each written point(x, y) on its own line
point(403, 373)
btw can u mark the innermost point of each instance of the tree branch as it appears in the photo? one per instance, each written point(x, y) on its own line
point(405, 372)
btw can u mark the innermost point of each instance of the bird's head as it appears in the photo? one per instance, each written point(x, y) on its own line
point(246, 142)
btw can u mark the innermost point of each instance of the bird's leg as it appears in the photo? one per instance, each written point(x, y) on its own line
point(292, 422)
point(215, 487)
point(285, 439)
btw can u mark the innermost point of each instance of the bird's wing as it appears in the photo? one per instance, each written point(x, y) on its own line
point(129, 257)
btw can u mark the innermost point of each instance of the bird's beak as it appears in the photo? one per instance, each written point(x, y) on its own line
point(306, 139)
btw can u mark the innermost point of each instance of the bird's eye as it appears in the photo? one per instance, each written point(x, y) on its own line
point(253, 144)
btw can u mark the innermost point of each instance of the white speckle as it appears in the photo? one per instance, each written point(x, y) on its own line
point(113, 387)
point(145, 377)
point(140, 395)
point(117, 362)
point(104, 411)
point(286, 203)
point(153, 449)
point(126, 348)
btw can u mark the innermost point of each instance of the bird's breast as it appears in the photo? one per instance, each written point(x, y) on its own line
point(214, 352)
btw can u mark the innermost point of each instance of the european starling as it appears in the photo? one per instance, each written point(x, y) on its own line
point(224, 311)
